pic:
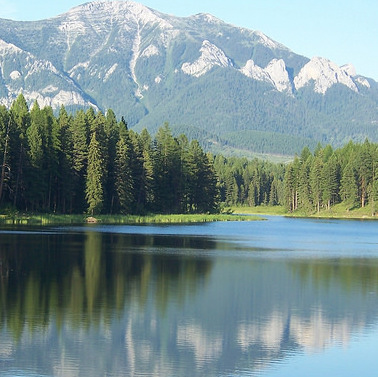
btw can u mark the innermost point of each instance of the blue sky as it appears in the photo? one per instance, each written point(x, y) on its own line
point(344, 31)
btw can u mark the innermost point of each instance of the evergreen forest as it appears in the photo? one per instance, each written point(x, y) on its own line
point(92, 163)
point(312, 182)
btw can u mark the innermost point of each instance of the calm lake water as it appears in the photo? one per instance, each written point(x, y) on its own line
point(282, 297)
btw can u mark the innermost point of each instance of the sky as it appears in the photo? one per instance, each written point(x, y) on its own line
point(344, 31)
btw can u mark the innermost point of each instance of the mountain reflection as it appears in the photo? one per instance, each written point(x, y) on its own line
point(115, 304)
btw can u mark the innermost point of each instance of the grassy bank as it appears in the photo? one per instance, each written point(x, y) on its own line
point(51, 219)
point(260, 210)
point(338, 211)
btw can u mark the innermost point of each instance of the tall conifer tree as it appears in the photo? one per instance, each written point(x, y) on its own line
point(20, 123)
point(94, 192)
point(124, 182)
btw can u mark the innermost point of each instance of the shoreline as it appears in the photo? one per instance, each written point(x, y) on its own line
point(236, 214)
point(336, 212)
point(54, 219)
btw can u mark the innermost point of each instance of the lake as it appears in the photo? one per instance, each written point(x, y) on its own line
point(281, 297)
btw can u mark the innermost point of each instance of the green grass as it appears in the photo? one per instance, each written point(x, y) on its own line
point(40, 219)
point(260, 210)
point(338, 211)
point(50, 219)
point(341, 211)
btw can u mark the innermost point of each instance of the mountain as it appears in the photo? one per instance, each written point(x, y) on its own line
point(232, 88)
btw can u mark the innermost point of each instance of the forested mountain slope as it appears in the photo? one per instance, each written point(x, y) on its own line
point(228, 86)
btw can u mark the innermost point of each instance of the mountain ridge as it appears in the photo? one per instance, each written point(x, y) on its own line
point(195, 71)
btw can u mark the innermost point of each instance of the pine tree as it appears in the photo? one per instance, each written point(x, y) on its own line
point(305, 154)
point(210, 203)
point(291, 185)
point(94, 192)
point(124, 182)
point(51, 156)
point(330, 181)
point(201, 189)
point(36, 176)
point(166, 171)
point(65, 178)
point(316, 181)
point(5, 123)
point(374, 184)
point(290, 188)
point(304, 187)
point(112, 132)
point(98, 125)
point(273, 194)
point(80, 138)
point(349, 186)
point(137, 160)
point(148, 180)
point(79, 130)
point(20, 123)
point(365, 171)
point(232, 189)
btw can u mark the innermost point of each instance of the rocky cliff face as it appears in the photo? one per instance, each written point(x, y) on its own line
point(325, 74)
point(152, 67)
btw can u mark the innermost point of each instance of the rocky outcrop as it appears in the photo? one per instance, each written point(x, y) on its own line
point(274, 73)
point(324, 74)
point(211, 56)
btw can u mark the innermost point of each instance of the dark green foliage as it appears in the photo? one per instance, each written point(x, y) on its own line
point(247, 115)
point(167, 171)
point(94, 192)
point(201, 182)
point(316, 181)
point(249, 182)
point(310, 183)
point(65, 177)
point(329, 176)
point(20, 121)
point(349, 186)
point(124, 181)
point(291, 187)
point(88, 162)
point(330, 182)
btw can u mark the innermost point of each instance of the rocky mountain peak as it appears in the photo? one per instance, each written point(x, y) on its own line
point(120, 11)
point(197, 71)
point(211, 56)
point(324, 74)
point(8, 48)
point(206, 17)
point(255, 72)
point(350, 69)
point(275, 73)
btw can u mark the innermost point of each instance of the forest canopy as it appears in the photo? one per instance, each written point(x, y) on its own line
point(92, 163)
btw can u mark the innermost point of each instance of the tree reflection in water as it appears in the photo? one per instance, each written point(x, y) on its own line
point(60, 275)
point(120, 304)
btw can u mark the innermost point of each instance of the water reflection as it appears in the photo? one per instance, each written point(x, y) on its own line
point(61, 274)
point(92, 303)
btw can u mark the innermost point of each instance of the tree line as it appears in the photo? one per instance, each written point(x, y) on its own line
point(90, 162)
point(313, 181)
point(319, 180)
